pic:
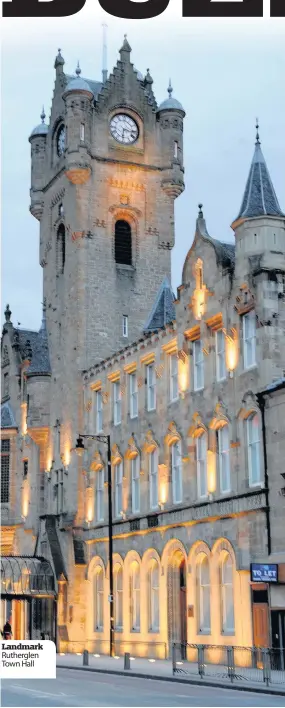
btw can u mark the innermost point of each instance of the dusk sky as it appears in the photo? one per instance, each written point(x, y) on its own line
point(225, 73)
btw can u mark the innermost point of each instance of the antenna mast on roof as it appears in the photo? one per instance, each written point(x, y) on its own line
point(105, 70)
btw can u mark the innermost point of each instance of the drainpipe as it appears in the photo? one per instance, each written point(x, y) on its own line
point(261, 403)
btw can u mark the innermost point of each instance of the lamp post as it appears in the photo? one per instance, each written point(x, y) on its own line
point(79, 449)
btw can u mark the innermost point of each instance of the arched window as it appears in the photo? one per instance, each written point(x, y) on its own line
point(135, 596)
point(153, 596)
point(201, 457)
point(227, 595)
point(118, 596)
point(176, 472)
point(203, 594)
point(123, 242)
point(224, 458)
point(98, 599)
point(60, 249)
point(253, 449)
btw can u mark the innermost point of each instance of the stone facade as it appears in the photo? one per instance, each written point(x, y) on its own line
point(174, 382)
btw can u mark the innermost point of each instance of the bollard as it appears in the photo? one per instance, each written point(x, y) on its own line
point(231, 666)
point(85, 658)
point(201, 662)
point(173, 658)
point(127, 661)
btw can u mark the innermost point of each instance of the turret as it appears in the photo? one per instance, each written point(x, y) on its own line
point(77, 97)
point(170, 115)
point(38, 153)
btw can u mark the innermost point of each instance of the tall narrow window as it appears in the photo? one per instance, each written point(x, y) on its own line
point(220, 355)
point(99, 412)
point(118, 597)
point(82, 131)
point(135, 467)
point(203, 594)
point(153, 591)
point(133, 395)
point(153, 479)
point(201, 453)
point(198, 365)
point(5, 471)
point(176, 149)
point(176, 472)
point(125, 326)
point(25, 468)
point(227, 595)
point(249, 339)
point(6, 384)
point(123, 243)
point(224, 458)
point(151, 387)
point(135, 597)
point(253, 450)
point(98, 600)
point(173, 366)
point(60, 249)
point(117, 402)
point(100, 494)
point(118, 488)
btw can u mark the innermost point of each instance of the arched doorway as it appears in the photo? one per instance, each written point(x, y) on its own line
point(176, 601)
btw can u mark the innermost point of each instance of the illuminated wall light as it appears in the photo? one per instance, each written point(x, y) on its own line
point(231, 351)
point(67, 456)
point(163, 493)
point(97, 656)
point(183, 376)
point(199, 302)
point(89, 504)
point(25, 498)
point(24, 418)
point(151, 661)
point(211, 471)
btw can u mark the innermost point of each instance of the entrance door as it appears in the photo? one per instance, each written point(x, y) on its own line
point(278, 639)
point(176, 602)
point(260, 625)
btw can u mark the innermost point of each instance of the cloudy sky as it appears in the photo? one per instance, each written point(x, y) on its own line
point(225, 72)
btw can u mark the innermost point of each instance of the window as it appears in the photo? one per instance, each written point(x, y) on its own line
point(253, 444)
point(133, 395)
point(198, 365)
point(220, 355)
point(176, 473)
point(6, 384)
point(153, 479)
point(151, 387)
point(5, 471)
point(118, 489)
point(153, 589)
point(100, 494)
point(82, 132)
point(60, 210)
point(203, 594)
point(125, 326)
point(135, 597)
point(135, 465)
point(176, 149)
point(249, 339)
point(117, 402)
point(123, 243)
point(118, 597)
point(224, 459)
point(60, 249)
point(201, 451)
point(25, 468)
point(227, 596)
point(173, 365)
point(99, 412)
point(98, 600)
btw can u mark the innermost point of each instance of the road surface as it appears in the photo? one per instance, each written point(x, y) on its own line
point(83, 688)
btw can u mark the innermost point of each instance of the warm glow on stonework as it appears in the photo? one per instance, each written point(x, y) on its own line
point(231, 350)
point(211, 471)
point(25, 498)
point(163, 485)
point(183, 375)
point(199, 302)
point(89, 504)
point(24, 418)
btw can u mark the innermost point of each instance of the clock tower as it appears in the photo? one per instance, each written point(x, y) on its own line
point(105, 174)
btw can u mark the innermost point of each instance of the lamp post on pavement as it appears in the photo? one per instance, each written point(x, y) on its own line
point(79, 449)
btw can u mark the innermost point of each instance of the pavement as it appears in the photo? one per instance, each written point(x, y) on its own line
point(162, 669)
point(76, 687)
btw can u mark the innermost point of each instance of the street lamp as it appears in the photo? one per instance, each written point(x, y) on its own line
point(79, 449)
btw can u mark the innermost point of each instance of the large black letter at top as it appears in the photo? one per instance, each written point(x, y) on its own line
point(129, 10)
point(228, 8)
point(33, 8)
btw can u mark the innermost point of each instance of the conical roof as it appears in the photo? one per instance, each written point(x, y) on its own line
point(259, 197)
point(163, 311)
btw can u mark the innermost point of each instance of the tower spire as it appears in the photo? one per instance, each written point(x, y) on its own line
point(104, 57)
point(257, 142)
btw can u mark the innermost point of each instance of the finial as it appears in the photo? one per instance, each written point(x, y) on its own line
point(59, 61)
point(148, 78)
point(126, 46)
point(43, 115)
point(170, 89)
point(8, 313)
point(200, 214)
point(78, 70)
point(257, 142)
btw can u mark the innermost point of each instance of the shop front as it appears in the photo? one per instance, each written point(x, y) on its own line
point(268, 607)
point(28, 597)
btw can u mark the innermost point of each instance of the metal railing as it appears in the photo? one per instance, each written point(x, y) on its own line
point(232, 663)
point(137, 648)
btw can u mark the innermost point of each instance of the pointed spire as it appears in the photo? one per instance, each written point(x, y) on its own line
point(59, 60)
point(200, 213)
point(125, 50)
point(78, 70)
point(259, 197)
point(163, 310)
point(43, 115)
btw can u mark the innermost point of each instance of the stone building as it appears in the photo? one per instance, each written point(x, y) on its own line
point(172, 381)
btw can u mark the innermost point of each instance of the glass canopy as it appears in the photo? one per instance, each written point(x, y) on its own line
point(26, 576)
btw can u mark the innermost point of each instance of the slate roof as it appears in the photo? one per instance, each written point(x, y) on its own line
point(40, 363)
point(95, 86)
point(259, 198)
point(7, 416)
point(55, 547)
point(163, 311)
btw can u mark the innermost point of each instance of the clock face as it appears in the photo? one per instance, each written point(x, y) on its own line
point(60, 141)
point(124, 129)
